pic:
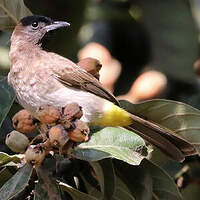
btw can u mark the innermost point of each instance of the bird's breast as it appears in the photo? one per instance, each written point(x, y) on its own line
point(31, 89)
point(34, 91)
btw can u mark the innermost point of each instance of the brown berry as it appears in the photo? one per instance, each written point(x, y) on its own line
point(80, 132)
point(91, 65)
point(48, 115)
point(35, 155)
point(17, 142)
point(58, 136)
point(24, 122)
point(72, 111)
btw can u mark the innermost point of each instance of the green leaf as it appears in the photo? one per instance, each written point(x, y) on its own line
point(5, 159)
point(105, 175)
point(163, 185)
point(17, 183)
point(6, 127)
point(181, 118)
point(75, 194)
point(121, 191)
point(39, 193)
point(147, 180)
point(5, 175)
point(7, 97)
point(11, 164)
point(136, 178)
point(112, 142)
point(11, 12)
point(92, 190)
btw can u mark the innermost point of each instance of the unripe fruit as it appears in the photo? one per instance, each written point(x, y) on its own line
point(58, 136)
point(72, 111)
point(48, 115)
point(80, 132)
point(17, 142)
point(24, 122)
point(35, 155)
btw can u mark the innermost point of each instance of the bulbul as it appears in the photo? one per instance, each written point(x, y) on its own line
point(42, 78)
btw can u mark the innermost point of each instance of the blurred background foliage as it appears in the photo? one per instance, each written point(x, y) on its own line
point(134, 37)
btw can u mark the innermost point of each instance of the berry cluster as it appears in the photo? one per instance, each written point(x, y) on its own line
point(58, 130)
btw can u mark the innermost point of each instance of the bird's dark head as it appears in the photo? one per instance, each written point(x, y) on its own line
point(33, 28)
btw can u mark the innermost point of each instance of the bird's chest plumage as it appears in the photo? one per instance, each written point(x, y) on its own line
point(35, 89)
point(32, 87)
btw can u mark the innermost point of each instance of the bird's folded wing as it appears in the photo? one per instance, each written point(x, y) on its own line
point(76, 77)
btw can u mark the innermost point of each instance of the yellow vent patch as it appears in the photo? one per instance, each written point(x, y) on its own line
point(114, 116)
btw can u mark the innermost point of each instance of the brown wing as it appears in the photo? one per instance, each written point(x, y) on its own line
point(76, 77)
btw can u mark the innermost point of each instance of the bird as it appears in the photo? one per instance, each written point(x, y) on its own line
point(42, 78)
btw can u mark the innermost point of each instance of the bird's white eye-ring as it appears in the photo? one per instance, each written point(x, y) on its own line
point(34, 25)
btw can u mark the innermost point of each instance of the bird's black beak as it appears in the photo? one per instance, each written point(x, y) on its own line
point(56, 25)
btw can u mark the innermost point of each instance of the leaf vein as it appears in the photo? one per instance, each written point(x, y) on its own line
point(179, 115)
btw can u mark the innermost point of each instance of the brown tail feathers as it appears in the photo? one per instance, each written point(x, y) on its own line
point(174, 146)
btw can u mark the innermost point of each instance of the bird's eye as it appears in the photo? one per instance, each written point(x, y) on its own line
point(34, 24)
